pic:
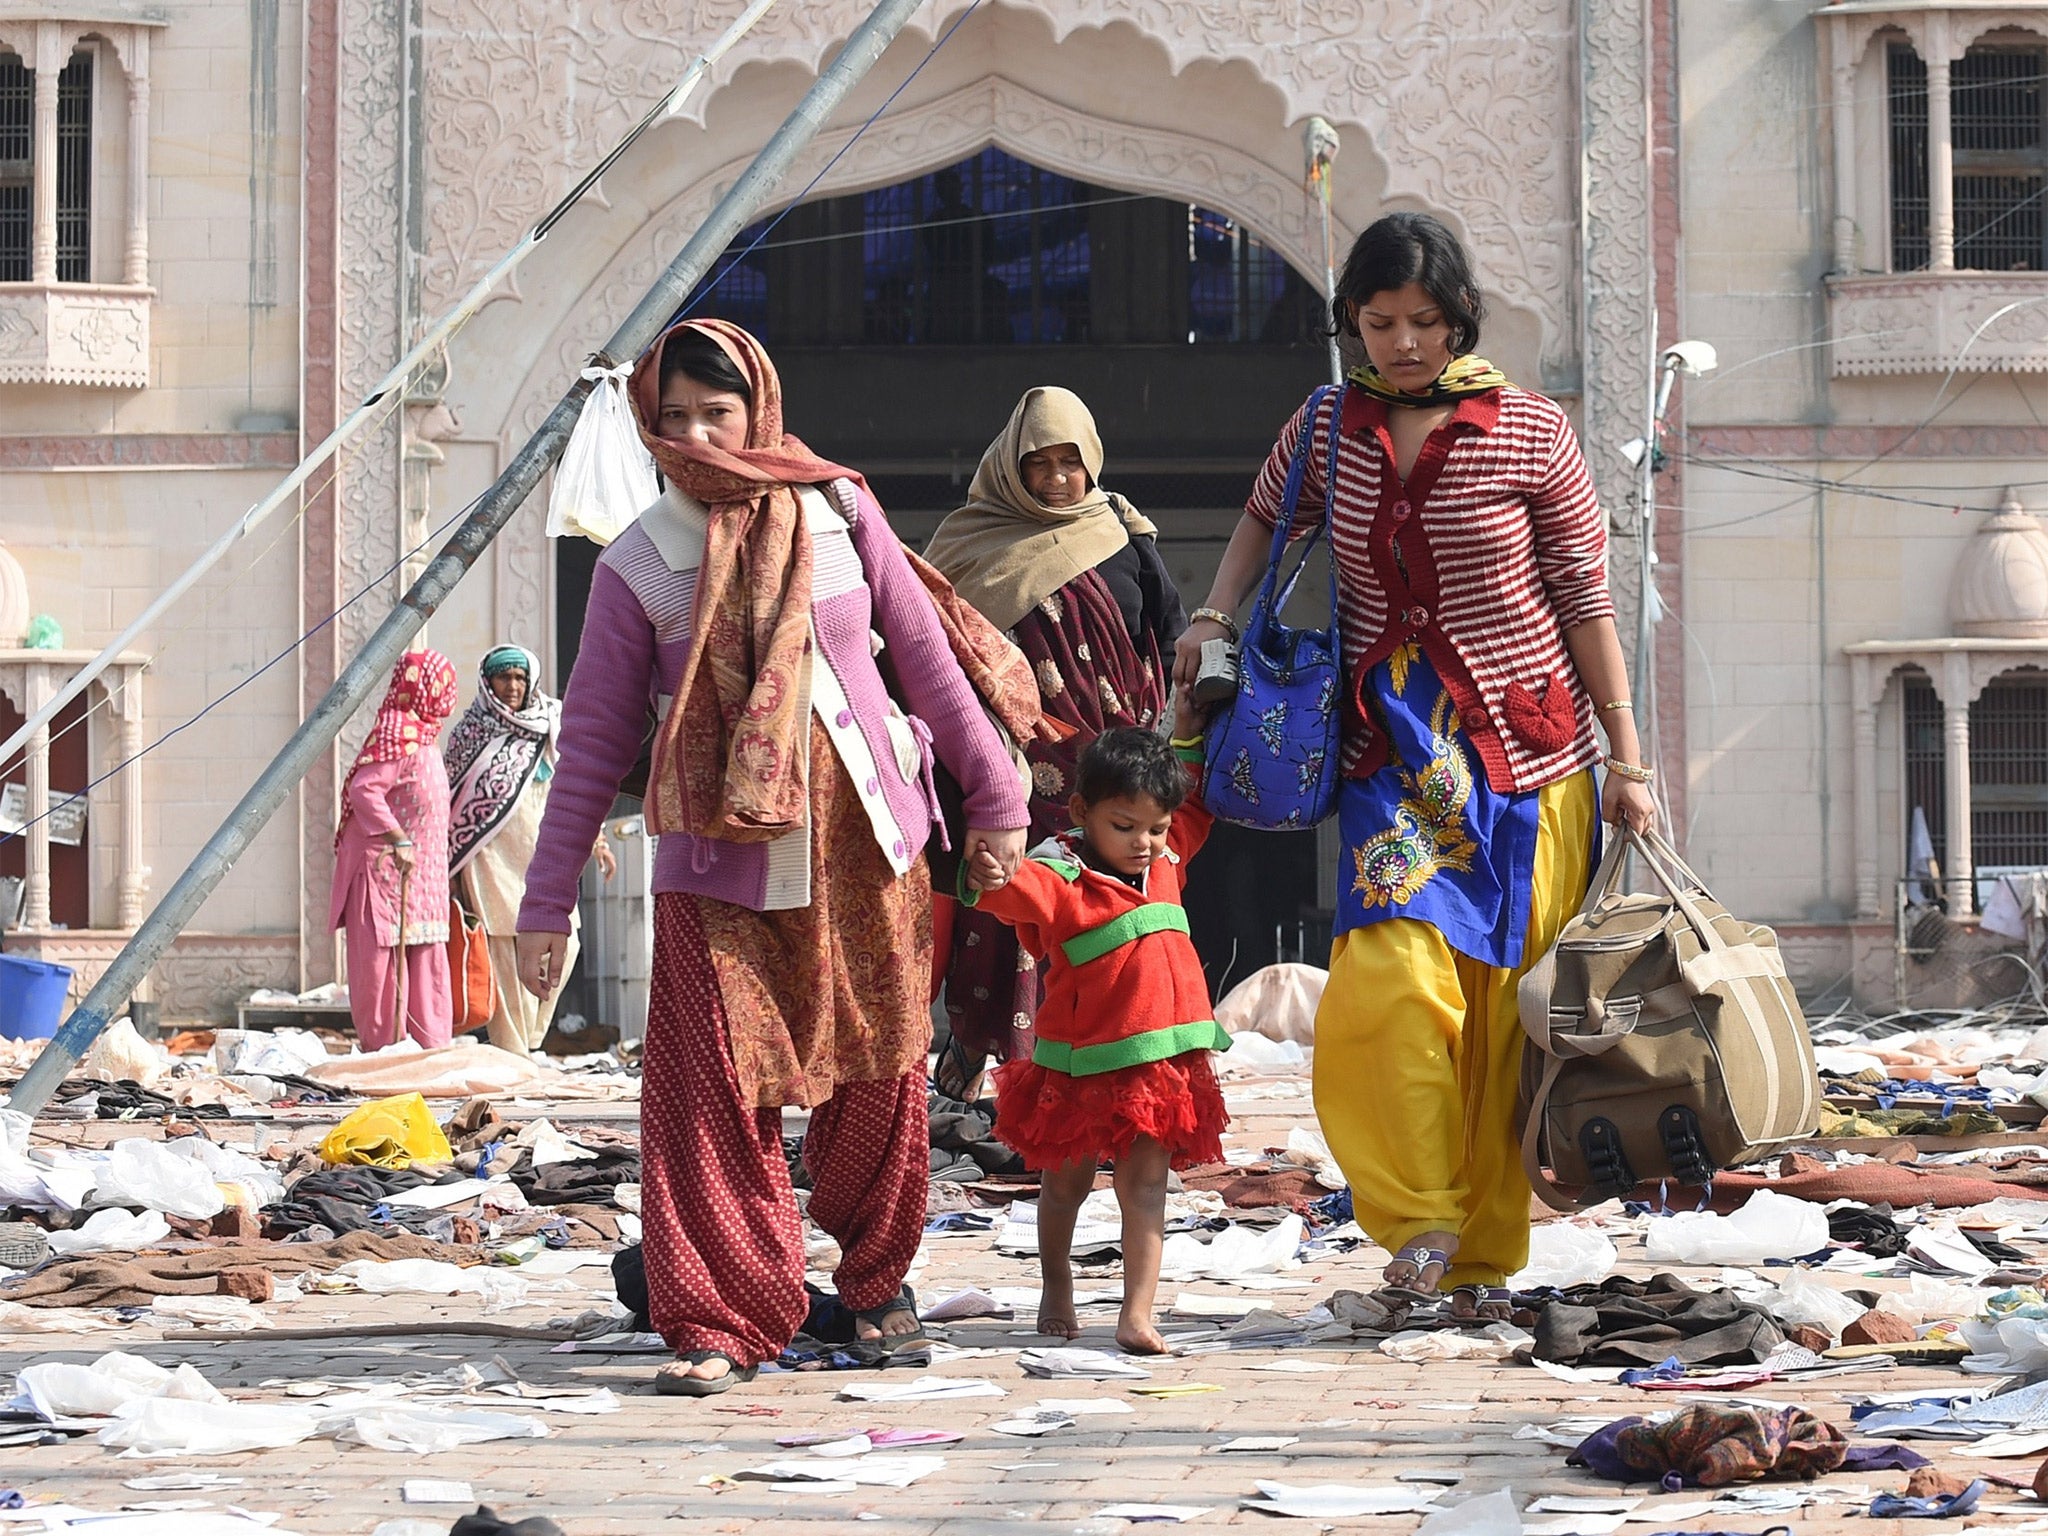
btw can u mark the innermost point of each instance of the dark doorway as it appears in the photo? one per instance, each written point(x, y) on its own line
point(906, 322)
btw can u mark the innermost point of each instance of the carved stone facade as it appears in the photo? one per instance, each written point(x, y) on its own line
point(73, 334)
point(1917, 322)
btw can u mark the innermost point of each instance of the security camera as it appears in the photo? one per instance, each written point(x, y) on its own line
point(1691, 358)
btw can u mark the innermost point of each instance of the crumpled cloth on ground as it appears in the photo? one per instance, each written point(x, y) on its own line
point(345, 1199)
point(487, 1522)
point(589, 1182)
point(464, 1071)
point(1963, 1121)
point(1632, 1322)
point(1897, 1185)
point(1947, 1506)
point(107, 1280)
point(1712, 1447)
point(1260, 1184)
point(966, 1133)
point(1873, 1231)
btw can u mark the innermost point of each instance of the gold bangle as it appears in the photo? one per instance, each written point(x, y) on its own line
point(1633, 772)
point(1627, 704)
point(1215, 616)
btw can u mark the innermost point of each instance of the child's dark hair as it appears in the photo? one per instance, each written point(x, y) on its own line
point(1404, 248)
point(693, 353)
point(1128, 762)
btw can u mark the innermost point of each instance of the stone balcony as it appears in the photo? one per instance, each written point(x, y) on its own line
point(74, 333)
point(1923, 322)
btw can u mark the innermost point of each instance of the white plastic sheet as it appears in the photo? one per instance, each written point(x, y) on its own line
point(1801, 1301)
point(1339, 1501)
point(605, 478)
point(424, 1429)
point(1233, 1253)
point(113, 1230)
point(1562, 1254)
point(59, 1389)
point(141, 1172)
point(1496, 1341)
point(165, 1427)
point(1492, 1514)
point(1769, 1226)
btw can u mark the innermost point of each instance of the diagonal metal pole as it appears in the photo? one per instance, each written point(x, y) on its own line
point(370, 406)
point(369, 669)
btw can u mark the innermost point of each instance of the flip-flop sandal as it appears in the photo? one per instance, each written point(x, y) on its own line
point(1417, 1258)
point(904, 1300)
point(1482, 1296)
point(670, 1384)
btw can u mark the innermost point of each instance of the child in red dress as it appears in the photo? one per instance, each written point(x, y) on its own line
point(1121, 1067)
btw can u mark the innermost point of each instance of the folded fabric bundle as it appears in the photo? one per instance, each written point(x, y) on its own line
point(588, 1182)
point(1256, 1186)
point(1873, 1231)
point(1713, 1446)
point(1633, 1322)
point(347, 1199)
point(1947, 1506)
point(108, 1280)
point(1960, 1120)
point(963, 1132)
point(1897, 1185)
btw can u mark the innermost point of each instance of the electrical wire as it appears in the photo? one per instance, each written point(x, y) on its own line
point(435, 534)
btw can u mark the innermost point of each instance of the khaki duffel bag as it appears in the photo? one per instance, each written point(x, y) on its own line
point(1664, 1039)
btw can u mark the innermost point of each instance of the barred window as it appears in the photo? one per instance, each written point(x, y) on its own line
point(17, 111)
point(74, 169)
point(2008, 769)
point(1998, 136)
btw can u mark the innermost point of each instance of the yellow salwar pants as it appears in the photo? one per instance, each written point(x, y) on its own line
point(1418, 1054)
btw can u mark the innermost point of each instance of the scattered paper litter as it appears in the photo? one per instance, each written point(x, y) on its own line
point(1298, 1367)
point(1174, 1513)
point(869, 1471)
point(1582, 1504)
point(1338, 1501)
point(1041, 1422)
point(1173, 1389)
point(924, 1389)
point(1570, 1525)
point(424, 1430)
point(1496, 1341)
point(431, 1490)
point(1233, 1253)
point(1092, 1364)
point(171, 1482)
point(1081, 1407)
point(1256, 1443)
point(963, 1304)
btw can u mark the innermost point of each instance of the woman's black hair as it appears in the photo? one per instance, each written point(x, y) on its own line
point(1404, 248)
point(697, 355)
point(1127, 762)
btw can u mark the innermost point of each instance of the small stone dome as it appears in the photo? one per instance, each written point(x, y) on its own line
point(14, 611)
point(2000, 590)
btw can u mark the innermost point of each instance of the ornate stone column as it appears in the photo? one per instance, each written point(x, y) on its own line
point(1864, 695)
point(1941, 157)
point(36, 913)
point(43, 153)
point(135, 258)
point(1955, 735)
point(133, 887)
point(1842, 103)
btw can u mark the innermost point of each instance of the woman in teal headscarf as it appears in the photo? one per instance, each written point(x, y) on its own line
point(501, 755)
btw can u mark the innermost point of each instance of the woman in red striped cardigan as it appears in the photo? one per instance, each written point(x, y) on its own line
point(1479, 639)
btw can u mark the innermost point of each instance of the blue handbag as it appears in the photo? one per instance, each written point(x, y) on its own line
point(1272, 752)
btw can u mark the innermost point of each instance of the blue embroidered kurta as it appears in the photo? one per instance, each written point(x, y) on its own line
point(1426, 837)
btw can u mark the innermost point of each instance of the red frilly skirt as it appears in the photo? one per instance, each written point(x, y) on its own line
point(1051, 1119)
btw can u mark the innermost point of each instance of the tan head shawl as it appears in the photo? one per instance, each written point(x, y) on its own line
point(1006, 551)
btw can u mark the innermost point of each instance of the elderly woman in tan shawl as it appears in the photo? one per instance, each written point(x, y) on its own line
point(1073, 573)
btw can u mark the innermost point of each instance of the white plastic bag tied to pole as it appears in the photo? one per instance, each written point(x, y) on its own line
point(606, 476)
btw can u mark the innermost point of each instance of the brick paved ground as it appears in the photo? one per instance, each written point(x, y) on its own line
point(638, 1470)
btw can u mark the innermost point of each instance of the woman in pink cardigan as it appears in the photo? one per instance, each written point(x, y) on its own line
point(753, 609)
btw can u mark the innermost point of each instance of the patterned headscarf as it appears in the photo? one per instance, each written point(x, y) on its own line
point(422, 694)
point(730, 759)
point(495, 751)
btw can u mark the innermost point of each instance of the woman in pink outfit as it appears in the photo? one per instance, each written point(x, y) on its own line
point(391, 863)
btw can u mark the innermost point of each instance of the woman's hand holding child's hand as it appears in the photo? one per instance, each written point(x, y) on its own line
point(985, 872)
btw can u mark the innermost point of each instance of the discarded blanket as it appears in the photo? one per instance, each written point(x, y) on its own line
point(1897, 1185)
point(1713, 1446)
point(1632, 1322)
point(347, 1200)
point(1873, 1231)
point(108, 1280)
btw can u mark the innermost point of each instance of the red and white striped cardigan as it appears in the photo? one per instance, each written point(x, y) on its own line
point(1494, 547)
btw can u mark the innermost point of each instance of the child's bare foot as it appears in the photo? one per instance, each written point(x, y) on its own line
point(1057, 1316)
point(1137, 1336)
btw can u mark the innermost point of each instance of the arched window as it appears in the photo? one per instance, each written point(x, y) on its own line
point(997, 251)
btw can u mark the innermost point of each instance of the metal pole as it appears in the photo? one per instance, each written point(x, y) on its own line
point(369, 668)
point(379, 393)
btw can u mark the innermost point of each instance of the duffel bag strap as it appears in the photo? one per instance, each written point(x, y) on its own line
point(1547, 1189)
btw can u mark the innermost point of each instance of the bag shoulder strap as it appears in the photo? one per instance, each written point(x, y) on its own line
point(1547, 1189)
